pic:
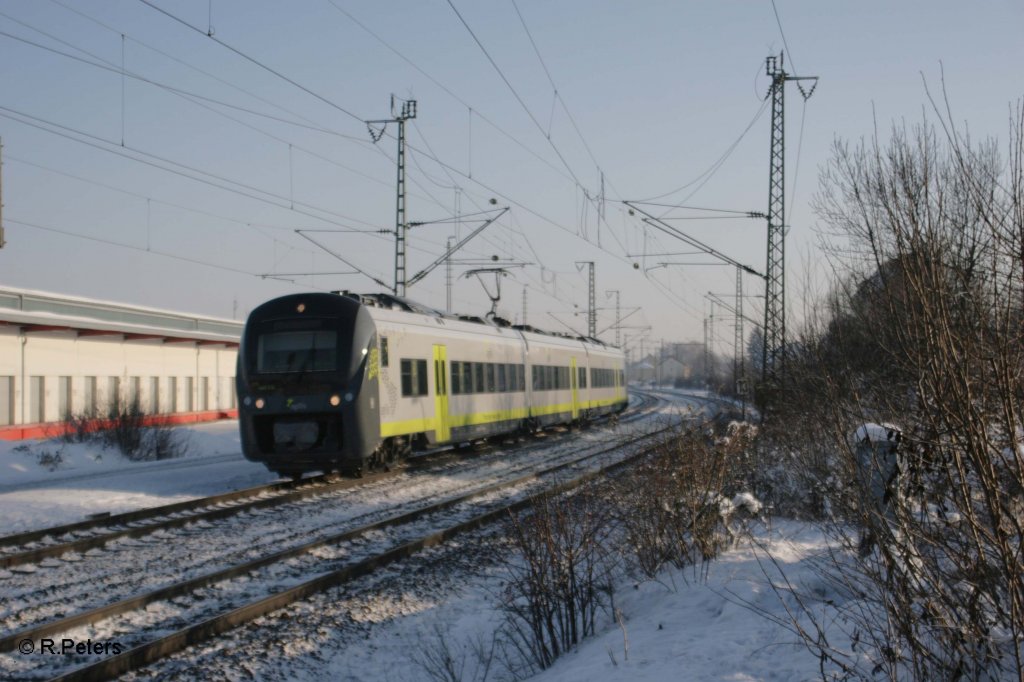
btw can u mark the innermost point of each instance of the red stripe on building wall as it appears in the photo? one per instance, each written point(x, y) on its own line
point(55, 429)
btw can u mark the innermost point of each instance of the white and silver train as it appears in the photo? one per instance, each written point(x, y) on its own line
point(350, 382)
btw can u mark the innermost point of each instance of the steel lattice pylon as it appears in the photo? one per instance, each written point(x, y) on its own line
point(407, 111)
point(775, 282)
point(775, 274)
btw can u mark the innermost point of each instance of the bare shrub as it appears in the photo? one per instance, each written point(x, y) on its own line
point(925, 330)
point(139, 437)
point(442, 660)
point(51, 460)
point(675, 507)
point(561, 579)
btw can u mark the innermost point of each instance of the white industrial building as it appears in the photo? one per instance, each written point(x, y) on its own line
point(63, 355)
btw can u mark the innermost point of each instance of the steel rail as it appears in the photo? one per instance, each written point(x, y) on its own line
point(150, 652)
point(10, 641)
point(307, 487)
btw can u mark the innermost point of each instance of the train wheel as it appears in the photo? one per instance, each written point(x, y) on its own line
point(294, 474)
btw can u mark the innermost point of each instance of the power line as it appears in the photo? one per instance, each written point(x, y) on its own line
point(783, 34)
point(514, 93)
point(311, 125)
point(111, 242)
point(554, 87)
point(106, 65)
point(253, 60)
point(710, 172)
point(447, 90)
point(118, 150)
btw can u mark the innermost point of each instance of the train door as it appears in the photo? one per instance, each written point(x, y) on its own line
point(574, 383)
point(441, 430)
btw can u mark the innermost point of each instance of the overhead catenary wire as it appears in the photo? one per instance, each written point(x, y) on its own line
point(514, 92)
point(612, 232)
point(132, 247)
point(473, 111)
point(98, 142)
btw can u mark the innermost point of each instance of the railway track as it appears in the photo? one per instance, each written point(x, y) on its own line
point(355, 549)
point(77, 539)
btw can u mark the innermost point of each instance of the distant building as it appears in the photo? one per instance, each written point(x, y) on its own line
point(642, 371)
point(672, 370)
point(63, 355)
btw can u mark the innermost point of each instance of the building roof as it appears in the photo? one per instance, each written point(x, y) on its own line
point(40, 311)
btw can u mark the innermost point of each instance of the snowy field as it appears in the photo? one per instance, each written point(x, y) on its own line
point(91, 480)
point(685, 626)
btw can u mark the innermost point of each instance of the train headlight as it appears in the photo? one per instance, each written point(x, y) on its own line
point(260, 403)
point(335, 400)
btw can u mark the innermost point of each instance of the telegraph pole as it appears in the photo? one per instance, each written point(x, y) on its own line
point(408, 111)
point(775, 280)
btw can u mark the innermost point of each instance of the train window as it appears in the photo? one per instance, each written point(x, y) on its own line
point(502, 378)
point(581, 377)
point(414, 378)
point(489, 377)
point(383, 351)
point(302, 351)
point(467, 377)
point(456, 378)
point(521, 377)
point(478, 377)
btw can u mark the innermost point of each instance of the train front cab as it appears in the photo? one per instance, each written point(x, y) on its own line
point(308, 384)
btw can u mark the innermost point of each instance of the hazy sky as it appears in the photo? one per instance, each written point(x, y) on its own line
point(215, 149)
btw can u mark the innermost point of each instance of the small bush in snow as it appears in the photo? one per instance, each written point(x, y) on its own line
point(681, 506)
point(559, 581)
point(139, 437)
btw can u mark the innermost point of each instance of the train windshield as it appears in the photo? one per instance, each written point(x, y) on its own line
point(297, 351)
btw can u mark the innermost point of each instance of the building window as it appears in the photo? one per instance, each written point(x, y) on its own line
point(414, 378)
point(36, 399)
point(172, 394)
point(204, 393)
point(89, 397)
point(64, 398)
point(154, 395)
point(134, 394)
point(6, 401)
point(187, 403)
point(113, 394)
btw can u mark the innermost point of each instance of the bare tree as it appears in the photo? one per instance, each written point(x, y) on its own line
point(924, 330)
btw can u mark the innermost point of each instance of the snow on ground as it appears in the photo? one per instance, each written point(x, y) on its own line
point(90, 479)
point(684, 626)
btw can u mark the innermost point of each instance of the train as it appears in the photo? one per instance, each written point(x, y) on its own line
point(354, 382)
